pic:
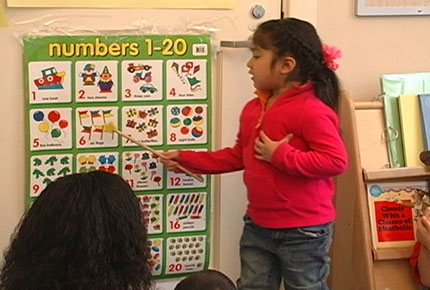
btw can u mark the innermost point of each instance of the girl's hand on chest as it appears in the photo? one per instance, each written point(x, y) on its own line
point(265, 147)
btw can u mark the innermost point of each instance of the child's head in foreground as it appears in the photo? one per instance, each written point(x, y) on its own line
point(84, 231)
point(206, 280)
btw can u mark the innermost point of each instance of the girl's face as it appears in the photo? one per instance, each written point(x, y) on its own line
point(265, 73)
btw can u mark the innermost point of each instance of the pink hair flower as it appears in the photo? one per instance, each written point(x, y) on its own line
point(330, 54)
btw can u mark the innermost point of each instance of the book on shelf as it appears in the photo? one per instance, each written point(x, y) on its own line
point(425, 119)
point(391, 212)
point(410, 124)
point(393, 85)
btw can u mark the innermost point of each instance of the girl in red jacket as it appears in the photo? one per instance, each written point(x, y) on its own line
point(289, 147)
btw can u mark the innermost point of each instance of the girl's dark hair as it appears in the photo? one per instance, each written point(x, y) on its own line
point(207, 280)
point(299, 39)
point(84, 231)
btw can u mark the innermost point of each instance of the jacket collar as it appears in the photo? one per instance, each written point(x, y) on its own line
point(264, 95)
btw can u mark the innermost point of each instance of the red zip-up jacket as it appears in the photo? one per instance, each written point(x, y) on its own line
point(296, 188)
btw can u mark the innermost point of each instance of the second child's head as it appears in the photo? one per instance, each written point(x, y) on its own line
point(85, 231)
point(206, 280)
point(297, 53)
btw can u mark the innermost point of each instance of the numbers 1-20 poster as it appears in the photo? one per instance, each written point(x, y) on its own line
point(155, 88)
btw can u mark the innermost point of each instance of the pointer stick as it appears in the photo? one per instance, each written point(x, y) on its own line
point(112, 128)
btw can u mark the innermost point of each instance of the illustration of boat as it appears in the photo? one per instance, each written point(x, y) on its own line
point(50, 80)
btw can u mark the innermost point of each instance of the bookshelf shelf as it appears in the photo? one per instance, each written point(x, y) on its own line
point(392, 254)
point(396, 173)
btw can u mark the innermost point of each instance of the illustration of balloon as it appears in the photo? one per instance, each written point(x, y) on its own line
point(55, 133)
point(38, 116)
point(53, 116)
point(63, 124)
point(44, 127)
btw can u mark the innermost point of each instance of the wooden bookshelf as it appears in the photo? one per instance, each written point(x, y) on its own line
point(356, 265)
point(395, 174)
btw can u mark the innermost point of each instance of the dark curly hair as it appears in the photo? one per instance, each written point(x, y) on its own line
point(299, 39)
point(85, 231)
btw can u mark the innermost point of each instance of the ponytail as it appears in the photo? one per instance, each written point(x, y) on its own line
point(327, 87)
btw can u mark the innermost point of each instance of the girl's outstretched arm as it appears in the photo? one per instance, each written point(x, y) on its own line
point(170, 160)
point(227, 159)
point(205, 162)
point(212, 162)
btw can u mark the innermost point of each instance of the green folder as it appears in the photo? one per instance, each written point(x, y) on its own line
point(392, 86)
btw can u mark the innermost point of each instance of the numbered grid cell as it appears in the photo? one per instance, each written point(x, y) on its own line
point(185, 254)
point(142, 170)
point(183, 180)
point(186, 212)
point(142, 80)
point(50, 129)
point(49, 82)
point(103, 161)
point(156, 261)
point(96, 81)
point(186, 79)
point(92, 127)
point(143, 123)
point(152, 211)
point(187, 124)
point(46, 168)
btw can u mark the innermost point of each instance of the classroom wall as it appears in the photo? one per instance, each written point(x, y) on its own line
point(11, 138)
point(373, 45)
